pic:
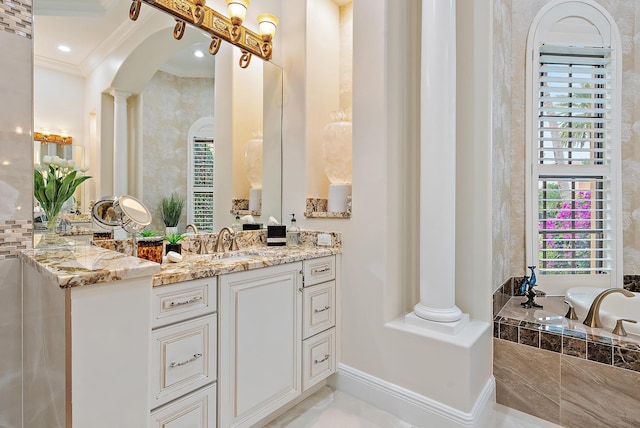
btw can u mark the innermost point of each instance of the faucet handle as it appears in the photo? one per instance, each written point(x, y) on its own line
point(619, 329)
point(234, 243)
point(571, 313)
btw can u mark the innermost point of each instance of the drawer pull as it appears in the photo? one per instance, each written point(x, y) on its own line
point(326, 357)
point(320, 270)
point(326, 308)
point(190, 360)
point(186, 302)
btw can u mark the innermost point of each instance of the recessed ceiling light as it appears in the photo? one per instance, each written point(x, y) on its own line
point(199, 54)
point(64, 48)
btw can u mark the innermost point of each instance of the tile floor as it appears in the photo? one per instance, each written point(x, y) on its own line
point(335, 409)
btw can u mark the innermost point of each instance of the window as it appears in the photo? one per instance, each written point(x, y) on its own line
point(201, 203)
point(573, 139)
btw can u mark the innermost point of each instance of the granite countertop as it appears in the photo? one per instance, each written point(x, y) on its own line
point(75, 265)
point(195, 266)
point(76, 231)
point(84, 264)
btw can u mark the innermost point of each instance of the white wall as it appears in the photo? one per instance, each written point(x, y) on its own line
point(379, 258)
point(58, 103)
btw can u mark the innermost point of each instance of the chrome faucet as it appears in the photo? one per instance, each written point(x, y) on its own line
point(220, 243)
point(193, 227)
point(593, 317)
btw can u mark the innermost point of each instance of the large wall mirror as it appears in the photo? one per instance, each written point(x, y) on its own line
point(192, 119)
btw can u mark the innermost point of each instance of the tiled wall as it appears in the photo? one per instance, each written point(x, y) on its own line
point(15, 17)
point(16, 195)
point(569, 376)
point(15, 235)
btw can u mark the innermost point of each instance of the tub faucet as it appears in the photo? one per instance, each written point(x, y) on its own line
point(593, 317)
point(220, 243)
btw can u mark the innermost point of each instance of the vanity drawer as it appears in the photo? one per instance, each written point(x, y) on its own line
point(184, 300)
point(197, 410)
point(318, 358)
point(319, 270)
point(318, 309)
point(183, 358)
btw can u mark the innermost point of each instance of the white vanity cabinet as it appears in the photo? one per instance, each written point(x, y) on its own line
point(319, 353)
point(260, 336)
point(277, 337)
point(183, 367)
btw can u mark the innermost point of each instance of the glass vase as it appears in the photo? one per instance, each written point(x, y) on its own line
point(50, 236)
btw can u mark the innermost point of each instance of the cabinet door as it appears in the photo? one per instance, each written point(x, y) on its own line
point(260, 336)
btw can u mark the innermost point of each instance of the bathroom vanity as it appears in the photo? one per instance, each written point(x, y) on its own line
point(216, 340)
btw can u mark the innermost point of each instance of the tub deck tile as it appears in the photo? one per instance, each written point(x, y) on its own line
point(626, 359)
point(600, 352)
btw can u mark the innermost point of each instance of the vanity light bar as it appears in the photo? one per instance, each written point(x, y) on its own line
point(220, 27)
point(44, 138)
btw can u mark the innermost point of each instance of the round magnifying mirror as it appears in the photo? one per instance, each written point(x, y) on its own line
point(134, 214)
point(104, 214)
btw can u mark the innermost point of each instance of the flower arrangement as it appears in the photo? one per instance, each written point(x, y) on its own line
point(55, 181)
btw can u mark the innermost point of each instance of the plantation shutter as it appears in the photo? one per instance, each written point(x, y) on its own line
point(201, 203)
point(573, 160)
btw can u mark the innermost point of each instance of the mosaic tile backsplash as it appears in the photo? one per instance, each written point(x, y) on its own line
point(15, 17)
point(15, 236)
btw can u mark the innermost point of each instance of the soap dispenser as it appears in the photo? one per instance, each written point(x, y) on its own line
point(294, 238)
point(236, 226)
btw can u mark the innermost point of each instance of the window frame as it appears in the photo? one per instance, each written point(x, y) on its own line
point(598, 29)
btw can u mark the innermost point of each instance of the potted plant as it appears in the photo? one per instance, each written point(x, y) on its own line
point(170, 211)
point(173, 243)
point(150, 245)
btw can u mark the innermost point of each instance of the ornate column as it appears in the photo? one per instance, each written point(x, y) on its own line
point(438, 170)
point(120, 132)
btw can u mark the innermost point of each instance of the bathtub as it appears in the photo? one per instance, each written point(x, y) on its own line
point(613, 307)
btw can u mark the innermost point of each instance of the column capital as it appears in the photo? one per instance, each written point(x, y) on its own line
point(119, 95)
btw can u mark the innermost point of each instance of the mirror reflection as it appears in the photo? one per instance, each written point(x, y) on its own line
point(189, 118)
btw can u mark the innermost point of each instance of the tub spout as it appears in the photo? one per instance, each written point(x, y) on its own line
point(593, 317)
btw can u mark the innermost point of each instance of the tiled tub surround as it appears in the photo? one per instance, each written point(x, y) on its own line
point(561, 370)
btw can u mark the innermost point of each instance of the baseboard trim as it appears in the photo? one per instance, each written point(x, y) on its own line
point(411, 407)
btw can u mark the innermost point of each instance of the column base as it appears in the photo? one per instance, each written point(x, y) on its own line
point(452, 327)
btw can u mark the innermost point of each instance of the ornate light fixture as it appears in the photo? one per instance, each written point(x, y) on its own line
point(45, 137)
point(220, 27)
